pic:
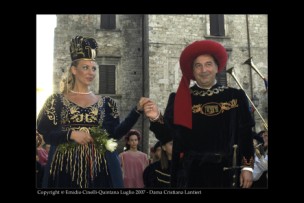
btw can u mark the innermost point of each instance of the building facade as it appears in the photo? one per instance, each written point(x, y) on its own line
point(138, 55)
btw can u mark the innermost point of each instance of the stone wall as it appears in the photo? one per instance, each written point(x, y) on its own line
point(146, 50)
point(170, 34)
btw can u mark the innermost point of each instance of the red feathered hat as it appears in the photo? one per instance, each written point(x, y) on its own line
point(182, 103)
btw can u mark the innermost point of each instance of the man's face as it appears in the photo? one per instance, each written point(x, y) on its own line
point(204, 70)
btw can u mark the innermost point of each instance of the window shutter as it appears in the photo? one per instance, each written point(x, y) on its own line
point(108, 21)
point(107, 79)
point(217, 27)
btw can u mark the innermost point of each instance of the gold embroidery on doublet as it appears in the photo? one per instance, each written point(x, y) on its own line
point(214, 108)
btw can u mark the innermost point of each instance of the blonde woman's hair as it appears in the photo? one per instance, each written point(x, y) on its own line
point(68, 81)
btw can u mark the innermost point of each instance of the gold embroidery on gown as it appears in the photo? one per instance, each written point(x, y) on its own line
point(82, 162)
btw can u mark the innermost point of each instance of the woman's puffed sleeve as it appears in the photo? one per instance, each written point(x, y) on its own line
point(111, 117)
point(115, 128)
point(49, 121)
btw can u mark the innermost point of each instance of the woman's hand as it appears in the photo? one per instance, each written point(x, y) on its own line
point(148, 107)
point(151, 110)
point(81, 137)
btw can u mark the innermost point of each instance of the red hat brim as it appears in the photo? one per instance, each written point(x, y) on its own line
point(198, 48)
point(183, 102)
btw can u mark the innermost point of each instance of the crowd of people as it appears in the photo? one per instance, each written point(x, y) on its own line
point(205, 133)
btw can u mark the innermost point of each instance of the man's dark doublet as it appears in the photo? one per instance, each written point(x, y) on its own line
point(220, 119)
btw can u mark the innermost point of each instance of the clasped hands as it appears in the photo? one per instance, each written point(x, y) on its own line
point(148, 107)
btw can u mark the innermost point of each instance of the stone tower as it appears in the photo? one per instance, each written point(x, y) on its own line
point(143, 52)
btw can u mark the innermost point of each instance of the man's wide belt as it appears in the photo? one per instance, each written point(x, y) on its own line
point(205, 157)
